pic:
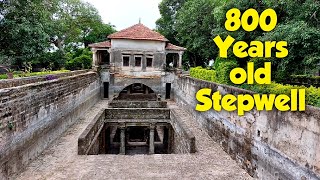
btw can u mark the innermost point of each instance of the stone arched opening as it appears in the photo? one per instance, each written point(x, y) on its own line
point(137, 92)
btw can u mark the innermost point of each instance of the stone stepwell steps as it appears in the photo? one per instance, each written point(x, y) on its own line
point(61, 161)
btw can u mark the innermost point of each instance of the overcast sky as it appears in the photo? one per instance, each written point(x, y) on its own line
point(125, 13)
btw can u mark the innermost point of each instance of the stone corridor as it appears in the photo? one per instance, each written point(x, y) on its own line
point(60, 159)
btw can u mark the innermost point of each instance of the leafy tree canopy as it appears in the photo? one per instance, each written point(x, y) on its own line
point(33, 29)
point(194, 23)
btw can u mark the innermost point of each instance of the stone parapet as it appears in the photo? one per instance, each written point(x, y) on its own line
point(34, 115)
point(267, 144)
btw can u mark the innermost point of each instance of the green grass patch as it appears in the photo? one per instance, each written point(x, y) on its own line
point(3, 76)
point(19, 74)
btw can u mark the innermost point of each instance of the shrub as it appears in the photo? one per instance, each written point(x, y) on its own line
point(218, 61)
point(223, 71)
point(259, 62)
point(204, 74)
point(313, 96)
point(81, 62)
point(312, 93)
point(3, 76)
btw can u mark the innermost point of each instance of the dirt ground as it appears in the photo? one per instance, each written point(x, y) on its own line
point(60, 160)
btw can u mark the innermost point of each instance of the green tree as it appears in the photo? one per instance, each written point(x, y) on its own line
point(72, 21)
point(166, 24)
point(40, 32)
point(99, 33)
point(303, 46)
point(23, 34)
point(195, 21)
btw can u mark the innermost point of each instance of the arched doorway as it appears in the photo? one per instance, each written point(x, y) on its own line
point(137, 92)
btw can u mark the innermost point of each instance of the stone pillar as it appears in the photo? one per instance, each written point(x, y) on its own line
point(180, 60)
point(151, 139)
point(112, 62)
point(170, 139)
point(122, 140)
point(94, 59)
point(110, 56)
point(144, 63)
point(132, 62)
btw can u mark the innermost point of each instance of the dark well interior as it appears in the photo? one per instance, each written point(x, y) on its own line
point(136, 138)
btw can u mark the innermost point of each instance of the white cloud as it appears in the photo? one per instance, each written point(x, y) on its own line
point(125, 13)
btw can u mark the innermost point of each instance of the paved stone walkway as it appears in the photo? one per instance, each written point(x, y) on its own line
point(60, 160)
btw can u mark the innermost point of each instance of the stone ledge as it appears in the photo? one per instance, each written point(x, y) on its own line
point(89, 135)
point(187, 141)
point(139, 113)
point(138, 104)
point(137, 121)
point(8, 83)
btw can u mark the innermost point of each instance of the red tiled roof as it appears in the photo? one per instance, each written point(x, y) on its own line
point(138, 32)
point(174, 47)
point(105, 44)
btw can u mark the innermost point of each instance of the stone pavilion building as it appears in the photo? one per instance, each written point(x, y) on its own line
point(137, 62)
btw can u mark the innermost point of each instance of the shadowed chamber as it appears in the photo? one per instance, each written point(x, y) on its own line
point(137, 92)
point(137, 140)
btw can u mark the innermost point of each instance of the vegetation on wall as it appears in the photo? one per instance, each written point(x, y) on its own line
point(20, 74)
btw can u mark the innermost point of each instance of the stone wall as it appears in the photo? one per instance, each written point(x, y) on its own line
point(117, 61)
point(269, 145)
point(156, 81)
point(141, 45)
point(34, 115)
point(121, 82)
point(141, 113)
point(88, 141)
point(184, 140)
point(138, 104)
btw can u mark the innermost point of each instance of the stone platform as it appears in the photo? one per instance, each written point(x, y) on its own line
point(61, 161)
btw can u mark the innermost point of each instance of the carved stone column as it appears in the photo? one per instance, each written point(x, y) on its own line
point(151, 139)
point(110, 57)
point(122, 140)
point(180, 60)
point(94, 59)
